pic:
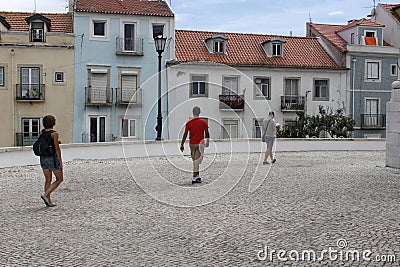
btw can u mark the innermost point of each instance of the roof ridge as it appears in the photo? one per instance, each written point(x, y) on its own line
point(244, 33)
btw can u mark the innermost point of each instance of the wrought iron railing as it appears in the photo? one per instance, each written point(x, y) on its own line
point(26, 139)
point(127, 96)
point(233, 101)
point(373, 121)
point(129, 46)
point(96, 138)
point(292, 103)
point(98, 96)
point(30, 92)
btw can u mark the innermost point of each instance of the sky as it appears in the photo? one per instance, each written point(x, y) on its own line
point(242, 16)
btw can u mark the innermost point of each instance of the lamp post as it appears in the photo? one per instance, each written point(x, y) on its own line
point(159, 41)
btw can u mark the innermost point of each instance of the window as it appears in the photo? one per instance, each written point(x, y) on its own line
point(230, 85)
point(30, 130)
point(128, 92)
point(98, 92)
point(59, 77)
point(370, 38)
point(370, 34)
point(292, 87)
point(198, 85)
point(128, 128)
point(321, 90)
point(97, 129)
point(276, 49)
point(373, 70)
point(37, 32)
point(129, 37)
point(262, 89)
point(352, 38)
point(230, 129)
point(393, 70)
point(99, 28)
point(158, 29)
point(257, 128)
point(30, 83)
point(371, 117)
point(2, 82)
point(219, 47)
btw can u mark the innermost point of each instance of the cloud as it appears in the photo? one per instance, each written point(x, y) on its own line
point(335, 13)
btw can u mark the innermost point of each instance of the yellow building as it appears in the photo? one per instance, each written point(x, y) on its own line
point(36, 75)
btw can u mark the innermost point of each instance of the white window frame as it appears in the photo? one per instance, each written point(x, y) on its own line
point(223, 127)
point(258, 94)
point(205, 76)
point(367, 74)
point(130, 121)
point(326, 98)
point(157, 24)
point(122, 34)
point(395, 68)
point(2, 76)
point(277, 49)
point(64, 80)
point(255, 127)
point(106, 29)
point(225, 89)
point(352, 38)
point(221, 47)
point(368, 31)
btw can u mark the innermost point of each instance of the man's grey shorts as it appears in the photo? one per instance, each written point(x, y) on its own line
point(50, 163)
point(270, 141)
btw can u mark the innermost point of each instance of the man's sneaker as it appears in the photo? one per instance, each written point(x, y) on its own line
point(198, 180)
point(274, 160)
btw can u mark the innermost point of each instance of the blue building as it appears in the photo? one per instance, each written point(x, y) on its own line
point(372, 67)
point(116, 67)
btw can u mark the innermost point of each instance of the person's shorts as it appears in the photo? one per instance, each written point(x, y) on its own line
point(270, 141)
point(196, 151)
point(50, 163)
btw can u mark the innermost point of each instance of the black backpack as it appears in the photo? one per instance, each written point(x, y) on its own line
point(44, 145)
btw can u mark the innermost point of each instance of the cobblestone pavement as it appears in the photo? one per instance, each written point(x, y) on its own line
point(308, 201)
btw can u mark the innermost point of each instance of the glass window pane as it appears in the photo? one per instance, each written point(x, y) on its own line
point(99, 28)
point(158, 30)
point(132, 127)
point(124, 128)
point(1, 76)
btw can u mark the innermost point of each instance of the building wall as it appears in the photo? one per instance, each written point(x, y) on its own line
point(391, 32)
point(102, 54)
point(57, 55)
point(181, 103)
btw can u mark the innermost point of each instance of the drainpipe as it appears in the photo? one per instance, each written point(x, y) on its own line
point(12, 53)
point(354, 76)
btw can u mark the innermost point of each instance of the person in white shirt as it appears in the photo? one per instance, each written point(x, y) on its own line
point(269, 134)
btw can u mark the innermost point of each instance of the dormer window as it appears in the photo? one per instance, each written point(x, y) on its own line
point(276, 49)
point(37, 32)
point(37, 27)
point(216, 44)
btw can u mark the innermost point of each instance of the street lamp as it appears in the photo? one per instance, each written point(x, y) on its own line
point(159, 41)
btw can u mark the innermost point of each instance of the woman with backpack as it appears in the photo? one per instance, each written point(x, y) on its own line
point(50, 160)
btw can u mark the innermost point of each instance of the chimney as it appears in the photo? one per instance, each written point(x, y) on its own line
point(71, 5)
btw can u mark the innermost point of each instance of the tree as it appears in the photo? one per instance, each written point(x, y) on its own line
point(335, 124)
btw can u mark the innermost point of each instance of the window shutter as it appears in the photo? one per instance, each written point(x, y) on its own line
point(129, 86)
point(98, 90)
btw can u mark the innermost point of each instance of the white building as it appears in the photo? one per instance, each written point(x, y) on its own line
point(236, 79)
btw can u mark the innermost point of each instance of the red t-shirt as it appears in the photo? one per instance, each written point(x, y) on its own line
point(196, 128)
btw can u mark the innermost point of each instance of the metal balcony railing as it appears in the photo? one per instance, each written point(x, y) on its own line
point(127, 96)
point(129, 46)
point(373, 121)
point(292, 103)
point(98, 96)
point(30, 92)
point(235, 102)
point(26, 139)
point(96, 138)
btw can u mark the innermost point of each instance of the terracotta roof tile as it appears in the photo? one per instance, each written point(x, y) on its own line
point(59, 22)
point(245, 49)
point(329, 32)
point(392, 8)
point(361, 22)
point(130, 7)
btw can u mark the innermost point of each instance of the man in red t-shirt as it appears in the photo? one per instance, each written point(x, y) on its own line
point(199, 138)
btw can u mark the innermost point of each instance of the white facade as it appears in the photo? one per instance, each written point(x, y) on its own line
point(391, 32)
point(181, 100)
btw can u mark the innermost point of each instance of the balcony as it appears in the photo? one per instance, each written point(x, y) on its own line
point(373, 121)
point(26, 139)
point(30, 92)
point(98, 96)
point(129, 46)
point(127, 96)
point(231, 102)
point(292, 103)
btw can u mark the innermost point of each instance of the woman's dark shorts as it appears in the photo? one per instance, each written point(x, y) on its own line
point(50, 163)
